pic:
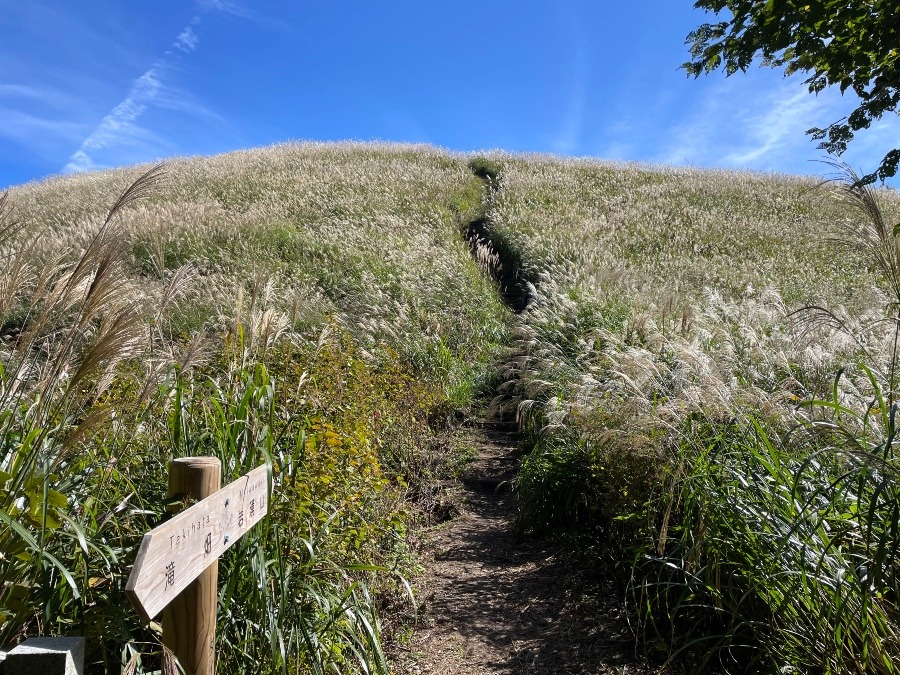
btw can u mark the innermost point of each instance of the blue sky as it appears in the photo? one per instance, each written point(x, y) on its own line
point(103, 83)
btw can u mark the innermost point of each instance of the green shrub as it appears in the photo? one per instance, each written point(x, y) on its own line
point(486, 169)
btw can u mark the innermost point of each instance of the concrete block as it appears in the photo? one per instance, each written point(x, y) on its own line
point(46, 656)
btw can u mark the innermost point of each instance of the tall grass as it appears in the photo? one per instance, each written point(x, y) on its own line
point(784, 550)
point(68, 323)
point(367, 236)
point(686, 417)
point(782, 556)
point(315, 308)
point(310, 307)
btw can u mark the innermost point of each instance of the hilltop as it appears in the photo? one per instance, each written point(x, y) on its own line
point(345, 312)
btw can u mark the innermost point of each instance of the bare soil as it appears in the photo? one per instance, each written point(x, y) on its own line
point(495, 602)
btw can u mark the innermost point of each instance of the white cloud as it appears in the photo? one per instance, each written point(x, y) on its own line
point(45, 96)
point(786, 115)
point(119, 128)
point(186, 40)
point(227, 7)
point(18, 90)
point(759, 121)
point(690, 142)
point(44, 120)
point(239, 11)
point(36, 132)
point(617, 150)
point(569, 135)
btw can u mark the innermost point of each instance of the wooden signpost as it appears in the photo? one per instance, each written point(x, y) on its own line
point(176, 567)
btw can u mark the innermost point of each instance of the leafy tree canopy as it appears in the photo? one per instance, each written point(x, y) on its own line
point(854, 44)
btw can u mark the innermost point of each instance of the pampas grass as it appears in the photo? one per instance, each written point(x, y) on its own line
point(145, 331)
point(707, 371)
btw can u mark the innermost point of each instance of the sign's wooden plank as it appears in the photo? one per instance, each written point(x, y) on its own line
point(175, 553)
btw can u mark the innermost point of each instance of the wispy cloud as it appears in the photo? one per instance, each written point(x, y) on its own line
point(186, 40)
point(571, 130)
point(760, 122)
point(44, 96)
point(43, 133)
point(691, 140)
point(119, 128)
point(227, 7)
point(35, 117)
point(788, 112)
point(239, 11)
point(745, 122)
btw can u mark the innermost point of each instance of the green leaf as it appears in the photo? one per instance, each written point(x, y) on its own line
point(32, 544)
point(57, 499)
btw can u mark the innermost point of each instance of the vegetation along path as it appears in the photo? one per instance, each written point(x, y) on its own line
point(495, 601)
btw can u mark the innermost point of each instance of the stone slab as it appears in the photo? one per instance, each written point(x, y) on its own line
point(46, 656)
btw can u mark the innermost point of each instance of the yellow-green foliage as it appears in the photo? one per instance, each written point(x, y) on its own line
point(364, 438)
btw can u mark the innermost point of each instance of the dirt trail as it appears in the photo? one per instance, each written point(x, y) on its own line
point(494, 602)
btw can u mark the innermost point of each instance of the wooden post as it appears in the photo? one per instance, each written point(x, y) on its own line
point(189, 621)
point(176, 566)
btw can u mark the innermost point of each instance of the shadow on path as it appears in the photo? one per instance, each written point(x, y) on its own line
point(499, 603)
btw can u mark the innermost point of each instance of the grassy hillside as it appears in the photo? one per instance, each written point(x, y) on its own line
point(738, 453)
point(317, 308)
point(314, 307)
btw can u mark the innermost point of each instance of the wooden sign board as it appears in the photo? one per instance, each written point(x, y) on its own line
point(172, 555)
